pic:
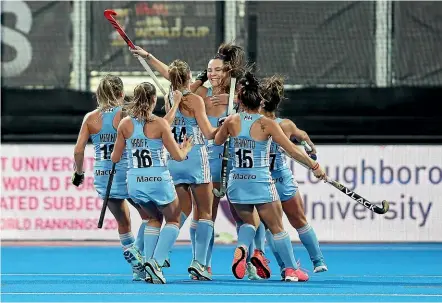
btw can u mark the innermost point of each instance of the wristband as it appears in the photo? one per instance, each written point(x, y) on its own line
point(315, 167)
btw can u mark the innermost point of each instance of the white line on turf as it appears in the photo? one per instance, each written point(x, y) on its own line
point(186, 275)
point(218, 294)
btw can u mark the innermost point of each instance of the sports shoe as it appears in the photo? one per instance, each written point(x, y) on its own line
point(134, 258)
point(319, 266)
point(155, 272)
point(199, 270)
point(292, 275)
point(261, 264)
point(251, 272)
point(239, 263)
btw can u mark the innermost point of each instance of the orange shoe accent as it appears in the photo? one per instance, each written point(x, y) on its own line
point(298, 275)
point(239, 263)
point(261, 264)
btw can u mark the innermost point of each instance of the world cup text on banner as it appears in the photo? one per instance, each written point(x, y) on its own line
point(40, 203)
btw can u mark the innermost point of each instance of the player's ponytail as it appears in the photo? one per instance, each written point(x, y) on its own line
point(143, 103)
point(109, 92)
point(179, 74)
point(249, 93)
point(272, 90)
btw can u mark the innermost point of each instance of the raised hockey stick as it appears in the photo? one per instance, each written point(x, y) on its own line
point(109, 15)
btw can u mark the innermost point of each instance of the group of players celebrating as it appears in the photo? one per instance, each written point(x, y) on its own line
point(167, 167)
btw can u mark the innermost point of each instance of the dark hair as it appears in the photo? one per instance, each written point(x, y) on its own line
point(272, 90)
point(249, 93)
point(109, 92)
point(234, 58)
point(179, 74)
point(141, 106)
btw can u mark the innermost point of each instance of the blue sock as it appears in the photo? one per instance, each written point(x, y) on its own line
point(151, 235)
point(193, 225)
point(271, 242)
point(203, 234)
point(250, 251)
point(285, 249)
point(260, 237)
point(139, 242)
point(209, 250)
point(308, 237)
point(183, 219)
point(127, 239)
point(246, 235)
point(168, 236)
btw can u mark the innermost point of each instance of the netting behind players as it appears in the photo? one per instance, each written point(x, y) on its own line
point(337, 43)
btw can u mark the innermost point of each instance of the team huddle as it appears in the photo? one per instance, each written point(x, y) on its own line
point(168, 167)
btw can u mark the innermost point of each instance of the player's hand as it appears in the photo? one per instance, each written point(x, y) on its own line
point(202, 76)
point(77, 179)
point(187, 144)
point(222, 99)
point(320, 173)
point(138, 51)
point(177, 96)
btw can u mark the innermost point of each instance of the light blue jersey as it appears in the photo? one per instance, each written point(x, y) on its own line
point(281, 173)
point(250, 181)
point(195, 169)
point(104, 142)
point(215, 151)
point(148, 178)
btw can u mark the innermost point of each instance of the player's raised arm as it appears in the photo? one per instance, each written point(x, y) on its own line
point(159, 66)
point(171, 111)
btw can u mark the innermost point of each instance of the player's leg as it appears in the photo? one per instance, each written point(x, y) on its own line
point(250, 268)
point(246, 235)
point(168, 236)
point(120, 211)
point(212, 239)
point(203, 196)
point(294, 210)
point(271, 214)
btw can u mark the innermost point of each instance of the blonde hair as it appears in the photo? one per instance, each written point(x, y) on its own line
point(179, 74)
point(141, 106)
point(109, 92)
point(272, 90)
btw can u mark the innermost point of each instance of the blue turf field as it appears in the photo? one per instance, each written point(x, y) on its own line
point(363, 272)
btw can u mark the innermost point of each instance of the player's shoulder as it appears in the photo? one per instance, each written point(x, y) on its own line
point(202, 91)
point(92, 115)
point(286, 123)
point(159, 122)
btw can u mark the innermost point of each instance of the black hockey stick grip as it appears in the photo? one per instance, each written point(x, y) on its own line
point(223, 188)
point(106, 198)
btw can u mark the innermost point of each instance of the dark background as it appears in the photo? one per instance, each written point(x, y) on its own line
point(312, 44)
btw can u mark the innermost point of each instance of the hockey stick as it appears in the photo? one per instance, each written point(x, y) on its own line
point(223, 188)
point(361, 200)
point(108, 14)
point(106, 198)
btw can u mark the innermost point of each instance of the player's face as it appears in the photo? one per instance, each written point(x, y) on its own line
point(215, 72)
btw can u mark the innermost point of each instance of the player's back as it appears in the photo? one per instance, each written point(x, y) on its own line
point(148, 176)
point(249, 153)
point(195, 168)
point(277, 158)
point(104, 141)
point(250, 180)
